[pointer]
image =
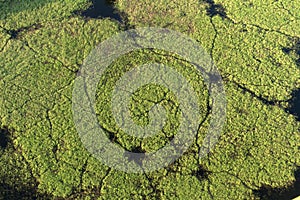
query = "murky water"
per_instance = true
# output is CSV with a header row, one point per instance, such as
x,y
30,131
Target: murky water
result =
x,y
102,9
215,9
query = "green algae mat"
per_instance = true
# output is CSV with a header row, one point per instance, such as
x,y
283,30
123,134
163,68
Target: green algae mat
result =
x,y
255,46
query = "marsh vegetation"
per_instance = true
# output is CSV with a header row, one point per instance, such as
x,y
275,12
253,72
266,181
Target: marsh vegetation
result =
x,y
255,46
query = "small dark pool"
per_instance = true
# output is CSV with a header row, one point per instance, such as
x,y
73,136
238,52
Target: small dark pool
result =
x,y
102,9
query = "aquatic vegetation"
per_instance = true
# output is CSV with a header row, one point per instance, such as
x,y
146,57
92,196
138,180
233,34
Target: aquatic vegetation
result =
x,y
253,44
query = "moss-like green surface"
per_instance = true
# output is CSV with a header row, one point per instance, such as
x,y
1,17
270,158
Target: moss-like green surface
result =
x,y
253,44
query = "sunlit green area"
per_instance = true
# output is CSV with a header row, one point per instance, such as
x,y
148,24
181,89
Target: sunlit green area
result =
x,y
256,48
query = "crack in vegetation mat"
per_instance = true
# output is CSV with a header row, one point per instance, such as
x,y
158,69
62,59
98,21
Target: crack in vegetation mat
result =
x,y
255,46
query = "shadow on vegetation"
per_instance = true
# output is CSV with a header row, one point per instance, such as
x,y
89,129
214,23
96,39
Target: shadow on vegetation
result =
x,y
10,7
14,33
295,48
12,185
99,9
294,103
286,193
253,94
201,173
215,9
20,191
136,155
4,137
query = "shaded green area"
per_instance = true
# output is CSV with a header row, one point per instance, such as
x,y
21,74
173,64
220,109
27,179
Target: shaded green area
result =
x,y
294,50
290,192
16,180
255,46
4,137
294,103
